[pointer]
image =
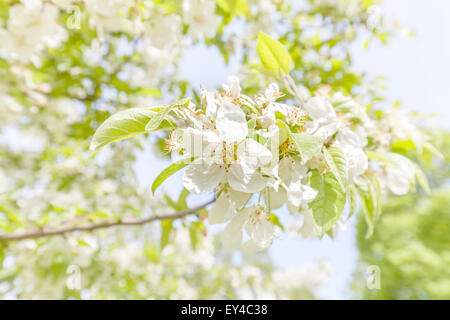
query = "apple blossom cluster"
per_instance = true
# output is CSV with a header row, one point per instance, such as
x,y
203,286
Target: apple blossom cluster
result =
x,y
258,154
67,64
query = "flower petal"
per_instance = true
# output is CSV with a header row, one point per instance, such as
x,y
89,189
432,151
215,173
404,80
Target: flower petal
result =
x,y
231,123
295,193
291,170
244,179
260,230
276,198
231,236
199,143
253,154
400,173
238,198
212,105
308,228
232,88
318,107
397,181
357,162
202,176
347,137
251,247
231,239
221,211
308,193
322,128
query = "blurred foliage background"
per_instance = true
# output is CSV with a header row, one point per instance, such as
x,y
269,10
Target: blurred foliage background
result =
x,y
411,245
59,82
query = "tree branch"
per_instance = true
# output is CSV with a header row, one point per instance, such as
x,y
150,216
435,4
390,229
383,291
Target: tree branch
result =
x,y
93,226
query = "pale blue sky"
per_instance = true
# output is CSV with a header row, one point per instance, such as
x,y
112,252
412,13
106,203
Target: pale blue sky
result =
x,y
418,68
417,71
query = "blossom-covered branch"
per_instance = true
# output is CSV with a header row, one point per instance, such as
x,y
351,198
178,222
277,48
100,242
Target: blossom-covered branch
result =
x,y
260,154
93,226
314,157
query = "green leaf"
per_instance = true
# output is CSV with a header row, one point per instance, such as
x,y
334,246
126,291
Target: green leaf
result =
x,y
83,243
422,179
353,199
274,219
337,163
170,202
392,158
433,150
284,133
307,145
166,227
329,203
234,7
403,146
170,170
247,102
156,121
376,156
196,229
181,202
122,125
371,203
274,56
2,253
251,124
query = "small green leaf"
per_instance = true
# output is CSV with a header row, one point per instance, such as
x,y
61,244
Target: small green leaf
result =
x,y
366,44
337,163
274,219
251,124
376,156
371,203
403,146
166,227
122,125
247,102
353,199
181,202
2,253
274,56
392,158
284,133
170,170
329,203
307,145
83,243
422,179
433,150
196,229
170,202
156,121
233,7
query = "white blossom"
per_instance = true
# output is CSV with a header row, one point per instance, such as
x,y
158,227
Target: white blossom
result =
x,y
293,175
30,28
352,146
200,16
399,174
324,122
256,222
217,158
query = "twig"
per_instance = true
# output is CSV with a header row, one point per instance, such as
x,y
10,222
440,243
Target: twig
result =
x,y
93,226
